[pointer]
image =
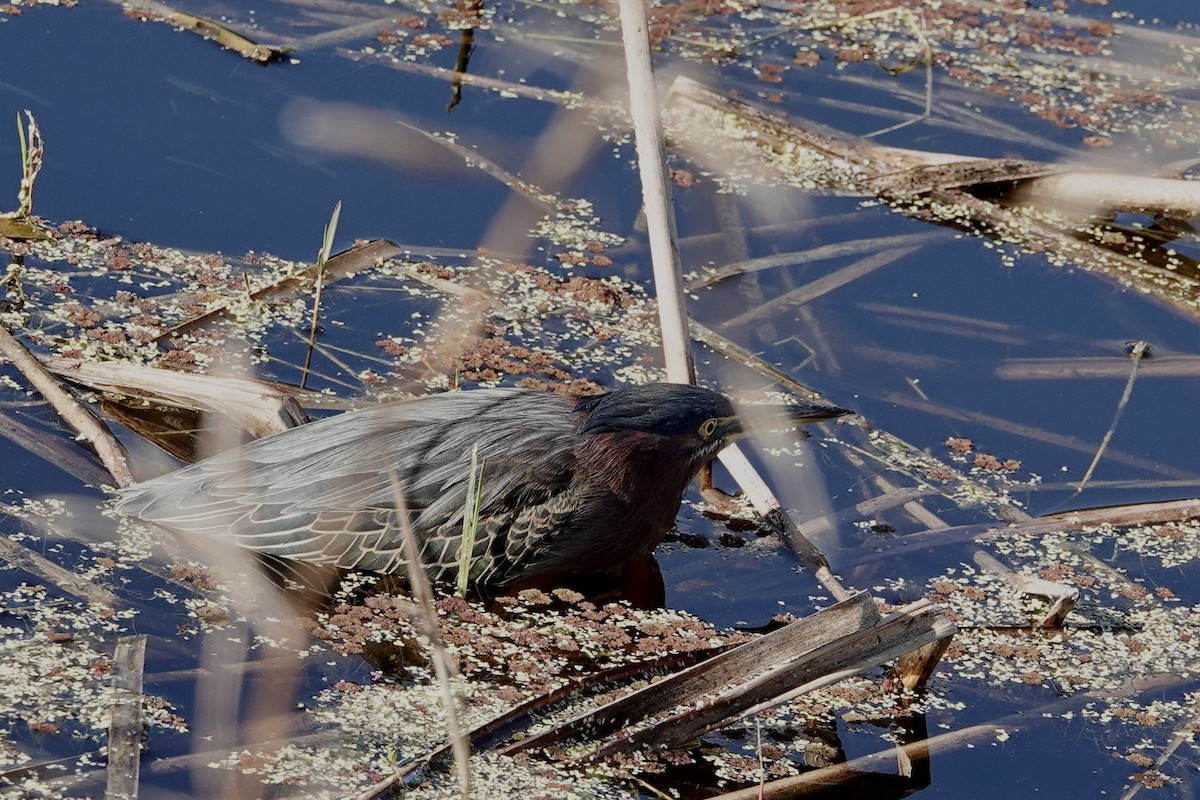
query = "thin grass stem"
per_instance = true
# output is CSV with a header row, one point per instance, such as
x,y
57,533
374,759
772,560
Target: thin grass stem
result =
x,y
322,259
422,594
1138,350
470,523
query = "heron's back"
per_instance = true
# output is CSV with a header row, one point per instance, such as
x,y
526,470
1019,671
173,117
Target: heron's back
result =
x,y
326,492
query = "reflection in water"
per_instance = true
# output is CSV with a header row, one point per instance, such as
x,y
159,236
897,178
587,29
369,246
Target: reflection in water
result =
x,y
826,770
175,430
466,46
1151,244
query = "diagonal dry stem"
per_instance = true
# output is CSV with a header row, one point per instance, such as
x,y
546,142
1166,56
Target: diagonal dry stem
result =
x,y
422,593
74,413
1138,350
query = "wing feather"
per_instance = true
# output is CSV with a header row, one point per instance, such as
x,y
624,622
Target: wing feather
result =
x,y
322,492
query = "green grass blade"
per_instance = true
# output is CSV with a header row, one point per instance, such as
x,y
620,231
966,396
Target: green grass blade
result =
x,y
470,524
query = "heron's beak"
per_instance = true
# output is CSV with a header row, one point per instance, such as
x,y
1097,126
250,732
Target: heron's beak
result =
x,y
766,418
813,412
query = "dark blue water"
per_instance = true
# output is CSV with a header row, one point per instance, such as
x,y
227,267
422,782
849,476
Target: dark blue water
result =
x,y
155,135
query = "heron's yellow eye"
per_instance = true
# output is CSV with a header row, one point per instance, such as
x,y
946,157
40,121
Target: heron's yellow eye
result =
x,y
708,428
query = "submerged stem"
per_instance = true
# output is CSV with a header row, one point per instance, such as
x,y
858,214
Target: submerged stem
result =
x,y
1138,351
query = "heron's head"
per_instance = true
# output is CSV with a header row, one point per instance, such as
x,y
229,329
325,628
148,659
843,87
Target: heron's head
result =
x,y
698,422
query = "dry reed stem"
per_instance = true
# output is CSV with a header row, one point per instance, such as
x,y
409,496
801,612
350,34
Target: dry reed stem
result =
x,y
258,407
339,266
427,620
1120,516
1048,184
772,512
125,728
852,652
208,29
812,255
568,100
113,455
1057,369
1137,351
33,150
735,352
723,672
819,782
56,450
943,411
1061,596
35,563
1184,734
912,507
347,33
821,286
656,194
668,282
492,734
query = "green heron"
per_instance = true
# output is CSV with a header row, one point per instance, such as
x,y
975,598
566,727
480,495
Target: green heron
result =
x,y
566,485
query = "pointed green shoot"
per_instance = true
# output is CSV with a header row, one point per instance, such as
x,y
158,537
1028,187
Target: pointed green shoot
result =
x,y
470,524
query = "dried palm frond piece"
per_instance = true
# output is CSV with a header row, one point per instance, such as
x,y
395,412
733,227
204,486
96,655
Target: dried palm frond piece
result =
x,y
803,656
750,144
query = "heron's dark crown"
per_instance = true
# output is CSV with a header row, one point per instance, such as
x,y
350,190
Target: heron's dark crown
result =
x,y
669,409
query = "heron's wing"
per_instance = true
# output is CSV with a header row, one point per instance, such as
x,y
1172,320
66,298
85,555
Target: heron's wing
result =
x,y
528,542
323,492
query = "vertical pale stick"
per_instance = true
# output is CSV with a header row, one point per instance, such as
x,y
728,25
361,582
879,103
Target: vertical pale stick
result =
x,y
668,283
427,621
125,728
656,194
